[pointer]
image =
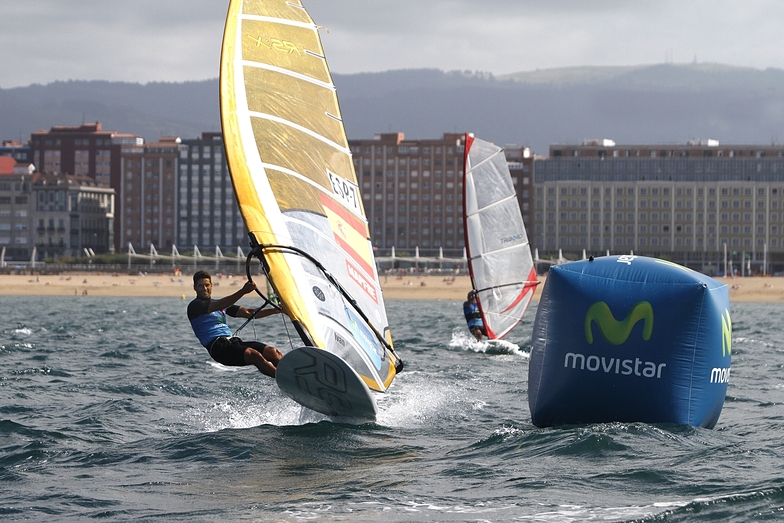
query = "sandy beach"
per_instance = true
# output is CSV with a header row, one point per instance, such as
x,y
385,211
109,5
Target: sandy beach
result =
x,y
166,285
409,287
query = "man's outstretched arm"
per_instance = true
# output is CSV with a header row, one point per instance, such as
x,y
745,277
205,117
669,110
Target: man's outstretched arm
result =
x,y
231,299
245,312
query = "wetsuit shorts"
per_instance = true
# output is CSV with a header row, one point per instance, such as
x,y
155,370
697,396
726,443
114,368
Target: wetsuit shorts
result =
x,y
473,329
231,351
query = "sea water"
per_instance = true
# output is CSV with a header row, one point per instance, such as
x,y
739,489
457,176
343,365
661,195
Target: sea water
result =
x,y
110,410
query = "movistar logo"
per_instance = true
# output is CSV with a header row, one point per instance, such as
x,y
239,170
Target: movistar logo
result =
x,y
614,331
726,334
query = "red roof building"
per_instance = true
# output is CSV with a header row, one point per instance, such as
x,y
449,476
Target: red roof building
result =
x,y
7,165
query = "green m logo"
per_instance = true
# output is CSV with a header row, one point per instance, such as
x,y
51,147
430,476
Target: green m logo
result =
x,y
614,331
726,334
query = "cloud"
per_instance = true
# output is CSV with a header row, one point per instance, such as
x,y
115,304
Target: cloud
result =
x,y
518,35
144,40
178,40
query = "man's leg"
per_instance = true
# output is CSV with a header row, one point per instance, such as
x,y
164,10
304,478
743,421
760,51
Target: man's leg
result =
x,y
264,357
254,357
272,354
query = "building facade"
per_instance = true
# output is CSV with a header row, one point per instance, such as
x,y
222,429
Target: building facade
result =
x,y
412,190
16,150
168,192
85,150
148,193
207,211
521,167
689,203
16,225
71,213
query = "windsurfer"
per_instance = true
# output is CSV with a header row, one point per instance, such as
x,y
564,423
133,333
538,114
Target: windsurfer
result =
x,y
473,316
208,319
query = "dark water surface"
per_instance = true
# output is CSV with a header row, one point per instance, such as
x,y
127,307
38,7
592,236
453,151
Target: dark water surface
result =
x,y
110,410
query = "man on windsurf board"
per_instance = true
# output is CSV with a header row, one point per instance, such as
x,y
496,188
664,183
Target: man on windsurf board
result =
x,y
208,320
473,317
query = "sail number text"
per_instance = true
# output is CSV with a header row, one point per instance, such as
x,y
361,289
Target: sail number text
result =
x,y
276,44
346,192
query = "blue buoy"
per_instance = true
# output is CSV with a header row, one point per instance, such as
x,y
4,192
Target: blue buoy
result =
x,y
629,339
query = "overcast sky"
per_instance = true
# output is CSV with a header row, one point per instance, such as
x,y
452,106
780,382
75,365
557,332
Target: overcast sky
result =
x,y
176,40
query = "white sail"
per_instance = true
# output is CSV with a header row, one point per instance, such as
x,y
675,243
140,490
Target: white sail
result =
x,y
499,256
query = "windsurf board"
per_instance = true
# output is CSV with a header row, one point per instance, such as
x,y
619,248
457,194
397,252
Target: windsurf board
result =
x,y
322,381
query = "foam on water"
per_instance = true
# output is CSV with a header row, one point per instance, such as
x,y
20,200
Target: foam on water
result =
x,y
415,400
223,368
466,341
412,402
241,412
578,513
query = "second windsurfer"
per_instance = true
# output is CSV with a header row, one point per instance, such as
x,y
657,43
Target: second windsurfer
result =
x,y
473,316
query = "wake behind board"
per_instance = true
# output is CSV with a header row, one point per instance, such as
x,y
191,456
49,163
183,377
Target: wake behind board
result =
x,y
322,381
501,347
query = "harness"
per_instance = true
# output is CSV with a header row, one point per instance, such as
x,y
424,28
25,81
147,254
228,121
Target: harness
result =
x,y
473,316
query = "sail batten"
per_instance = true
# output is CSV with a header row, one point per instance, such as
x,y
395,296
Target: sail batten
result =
x,y
486,160
296,187
304,179
317,136
289,72
315,54
499,202
497,248
281,21
498,251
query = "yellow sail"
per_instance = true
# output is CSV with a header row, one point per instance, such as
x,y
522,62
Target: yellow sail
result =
x,y
294,178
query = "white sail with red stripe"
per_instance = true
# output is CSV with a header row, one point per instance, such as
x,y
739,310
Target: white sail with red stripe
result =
x,y
499,256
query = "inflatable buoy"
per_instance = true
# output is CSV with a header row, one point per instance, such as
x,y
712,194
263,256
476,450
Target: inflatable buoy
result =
x,y
629,338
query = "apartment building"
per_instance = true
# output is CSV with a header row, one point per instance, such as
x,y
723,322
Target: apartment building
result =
x,y
85,150
16,150
15,216
71,213
686,202
689,203
148,193
207,211
521,167
412,190
169,192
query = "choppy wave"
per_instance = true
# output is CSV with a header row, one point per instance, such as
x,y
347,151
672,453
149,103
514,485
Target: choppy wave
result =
x,y
110,410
